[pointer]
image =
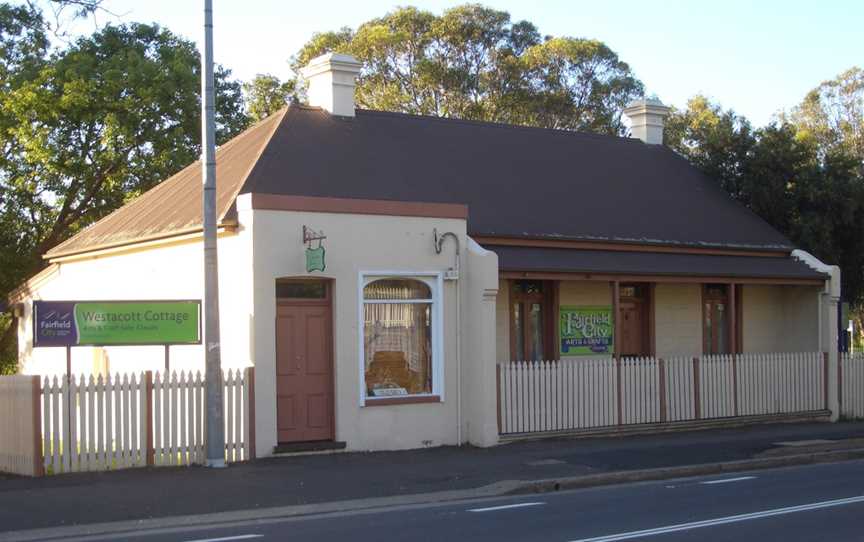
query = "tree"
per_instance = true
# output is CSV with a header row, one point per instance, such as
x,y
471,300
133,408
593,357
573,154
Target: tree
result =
x,y
832,115
812,194
473,62
85,129
265,94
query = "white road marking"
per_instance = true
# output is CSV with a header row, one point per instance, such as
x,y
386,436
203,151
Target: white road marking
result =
x,y
723,520
227,538
506,507
728,480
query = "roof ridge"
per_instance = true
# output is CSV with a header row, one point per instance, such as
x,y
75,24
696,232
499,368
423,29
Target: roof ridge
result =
x,y
501,125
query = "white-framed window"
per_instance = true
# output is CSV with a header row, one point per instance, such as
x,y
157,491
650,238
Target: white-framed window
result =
x,y
400,336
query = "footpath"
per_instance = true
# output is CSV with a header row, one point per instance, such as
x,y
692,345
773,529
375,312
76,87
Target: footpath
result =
x,y
321,482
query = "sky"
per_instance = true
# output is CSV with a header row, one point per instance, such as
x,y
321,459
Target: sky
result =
x,y
757,57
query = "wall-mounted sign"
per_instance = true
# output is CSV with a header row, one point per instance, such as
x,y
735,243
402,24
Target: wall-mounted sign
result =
x,y
586,330
314,256
105,323
315,259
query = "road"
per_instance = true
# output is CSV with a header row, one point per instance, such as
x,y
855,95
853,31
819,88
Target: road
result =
x,y
815,502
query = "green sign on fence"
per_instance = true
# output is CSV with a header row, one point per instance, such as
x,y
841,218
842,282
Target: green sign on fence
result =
x,y
105,323
586,330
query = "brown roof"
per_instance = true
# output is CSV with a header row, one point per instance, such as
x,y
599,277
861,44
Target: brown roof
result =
x,y
516,181
174,206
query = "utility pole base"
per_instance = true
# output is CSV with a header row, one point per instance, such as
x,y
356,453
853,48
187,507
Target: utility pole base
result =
x,y
215,464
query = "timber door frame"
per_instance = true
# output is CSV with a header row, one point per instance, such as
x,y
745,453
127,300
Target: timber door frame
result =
x,y
326,301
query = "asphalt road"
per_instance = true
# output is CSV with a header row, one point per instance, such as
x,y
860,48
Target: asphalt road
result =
x,y
815,502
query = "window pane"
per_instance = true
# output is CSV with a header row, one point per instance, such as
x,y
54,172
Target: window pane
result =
x,y
536,332
518,332
396,289
398,348
528,286
301,290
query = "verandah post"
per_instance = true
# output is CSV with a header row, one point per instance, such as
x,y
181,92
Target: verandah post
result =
x,y
616,341
733,335
696,395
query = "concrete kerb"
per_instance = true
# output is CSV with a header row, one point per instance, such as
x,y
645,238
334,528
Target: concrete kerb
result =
x,y
498,489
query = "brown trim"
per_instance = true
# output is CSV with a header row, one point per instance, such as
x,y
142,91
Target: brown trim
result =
x,y
250,382
624,246
739,318
408,400
279,202
36,397
608,277
661,370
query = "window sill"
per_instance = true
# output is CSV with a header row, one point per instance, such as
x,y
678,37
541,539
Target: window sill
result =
x,y
408,400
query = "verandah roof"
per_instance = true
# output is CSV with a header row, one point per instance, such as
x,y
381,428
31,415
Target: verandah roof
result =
x,y
563,260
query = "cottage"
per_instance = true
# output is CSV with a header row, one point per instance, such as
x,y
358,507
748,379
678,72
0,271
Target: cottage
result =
x,y
376,267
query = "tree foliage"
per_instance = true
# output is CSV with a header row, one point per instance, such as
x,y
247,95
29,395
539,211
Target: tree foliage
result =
x,y
808,187
473,62
265,94
86,128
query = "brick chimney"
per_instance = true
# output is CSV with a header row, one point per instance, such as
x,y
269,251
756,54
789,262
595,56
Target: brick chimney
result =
x,y
331,82
647,119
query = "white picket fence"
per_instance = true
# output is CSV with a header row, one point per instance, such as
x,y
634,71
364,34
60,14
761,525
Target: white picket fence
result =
x,y
578,394
136,420
851,380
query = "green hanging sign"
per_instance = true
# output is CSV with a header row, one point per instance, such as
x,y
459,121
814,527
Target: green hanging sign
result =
x,y
315,259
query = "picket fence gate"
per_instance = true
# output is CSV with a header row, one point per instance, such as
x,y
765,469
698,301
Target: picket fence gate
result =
x,y
143,419
582,394
851,384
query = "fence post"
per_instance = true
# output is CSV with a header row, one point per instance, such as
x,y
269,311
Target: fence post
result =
x,y
250,384
825,379
618,389
661,368
735,382
498,393
148,409
696,394
38,454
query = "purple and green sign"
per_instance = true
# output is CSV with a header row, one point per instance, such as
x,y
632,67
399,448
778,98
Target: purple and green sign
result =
x,y
586,331
105,323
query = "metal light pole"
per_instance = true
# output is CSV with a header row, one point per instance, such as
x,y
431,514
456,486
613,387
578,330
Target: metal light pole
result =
x,y
215,426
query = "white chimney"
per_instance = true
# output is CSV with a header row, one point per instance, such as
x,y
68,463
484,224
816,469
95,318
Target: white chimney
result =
x,y
647,119
331,82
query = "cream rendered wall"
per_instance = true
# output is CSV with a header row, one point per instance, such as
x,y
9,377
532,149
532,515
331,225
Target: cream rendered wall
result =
x,y
583,293
801,306
168,272
780,318
762,314
678,319
356,243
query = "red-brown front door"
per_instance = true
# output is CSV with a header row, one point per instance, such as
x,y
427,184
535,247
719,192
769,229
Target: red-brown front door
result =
x,y
304,372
